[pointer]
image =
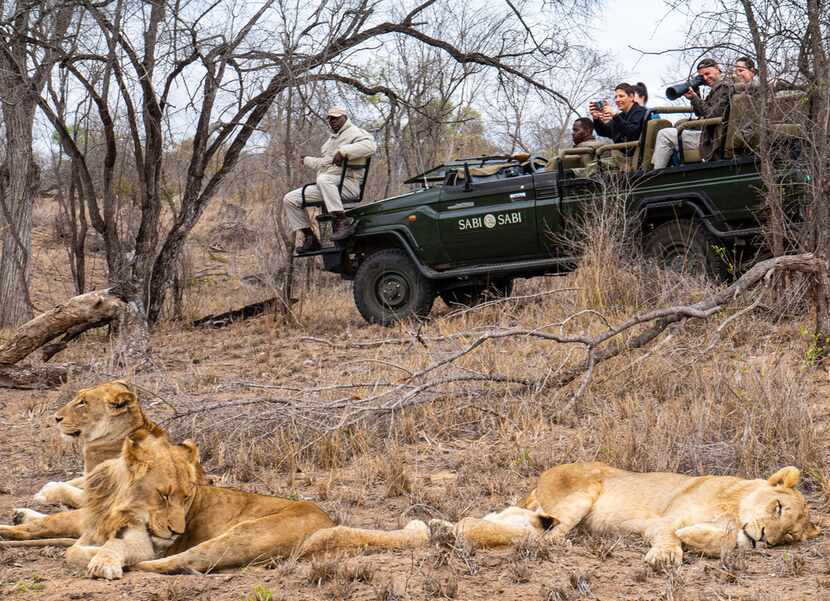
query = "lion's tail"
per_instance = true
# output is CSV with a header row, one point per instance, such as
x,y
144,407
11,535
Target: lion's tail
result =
x,y
414,535
40,542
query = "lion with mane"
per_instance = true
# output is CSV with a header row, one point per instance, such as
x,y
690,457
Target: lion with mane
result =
x,y
150,508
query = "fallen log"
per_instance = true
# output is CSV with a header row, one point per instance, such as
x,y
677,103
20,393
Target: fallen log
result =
x,y
32,378
100,306
221,320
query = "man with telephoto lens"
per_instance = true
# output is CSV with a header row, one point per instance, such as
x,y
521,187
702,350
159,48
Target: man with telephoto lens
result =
x,y
714,105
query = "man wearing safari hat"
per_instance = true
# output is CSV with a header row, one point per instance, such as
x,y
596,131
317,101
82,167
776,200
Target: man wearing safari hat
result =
x,y
348,143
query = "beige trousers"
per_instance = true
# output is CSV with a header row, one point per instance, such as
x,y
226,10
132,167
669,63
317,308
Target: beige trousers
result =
x,y
325,189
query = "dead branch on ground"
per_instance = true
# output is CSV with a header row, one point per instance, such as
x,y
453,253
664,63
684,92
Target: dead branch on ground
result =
x,y
325,416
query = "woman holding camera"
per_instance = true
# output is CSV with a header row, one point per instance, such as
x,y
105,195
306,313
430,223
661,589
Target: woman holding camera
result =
x,y
624,126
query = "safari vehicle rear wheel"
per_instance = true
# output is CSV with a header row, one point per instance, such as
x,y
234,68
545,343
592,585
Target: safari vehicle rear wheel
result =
x,y
686,247
388,287
470,296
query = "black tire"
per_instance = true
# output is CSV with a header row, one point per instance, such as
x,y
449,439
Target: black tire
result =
x,y
388,288
470,296
686,247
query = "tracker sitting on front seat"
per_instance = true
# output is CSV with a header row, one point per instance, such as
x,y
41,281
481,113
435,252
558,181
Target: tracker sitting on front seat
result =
x,y
346,143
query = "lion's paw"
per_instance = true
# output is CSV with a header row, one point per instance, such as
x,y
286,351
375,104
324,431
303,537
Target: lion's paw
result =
x,y
49,493
667,556
22,515
105,565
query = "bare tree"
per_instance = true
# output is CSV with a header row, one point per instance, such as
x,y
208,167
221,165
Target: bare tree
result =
x,y
23,73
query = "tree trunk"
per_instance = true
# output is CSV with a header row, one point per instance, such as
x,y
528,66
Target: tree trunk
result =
x,y
21,178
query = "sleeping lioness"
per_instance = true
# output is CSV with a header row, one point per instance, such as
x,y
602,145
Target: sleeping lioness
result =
x,y
707,513
151,502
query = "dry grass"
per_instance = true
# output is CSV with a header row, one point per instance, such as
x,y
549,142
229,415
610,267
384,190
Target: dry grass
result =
x,y
739,401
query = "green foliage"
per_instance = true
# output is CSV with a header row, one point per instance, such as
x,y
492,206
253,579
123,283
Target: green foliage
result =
x,y
260,593
815,350
723,255
27,585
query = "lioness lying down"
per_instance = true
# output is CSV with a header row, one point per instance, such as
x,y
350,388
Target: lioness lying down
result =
x,y
100,418
706,514
151,502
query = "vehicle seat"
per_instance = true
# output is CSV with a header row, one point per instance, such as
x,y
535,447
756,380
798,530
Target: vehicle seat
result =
x,y
653,127
739,126
361,165
742,135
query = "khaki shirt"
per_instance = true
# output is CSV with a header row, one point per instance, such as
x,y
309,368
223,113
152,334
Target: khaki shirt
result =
x,y
352,142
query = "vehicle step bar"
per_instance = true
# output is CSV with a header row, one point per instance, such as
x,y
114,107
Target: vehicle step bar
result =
x,y
326,250
497,268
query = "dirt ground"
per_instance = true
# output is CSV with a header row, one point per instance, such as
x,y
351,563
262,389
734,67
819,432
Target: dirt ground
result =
x,y
469,451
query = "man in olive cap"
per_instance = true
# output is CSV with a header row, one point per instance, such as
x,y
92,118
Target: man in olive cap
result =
x,y
347,143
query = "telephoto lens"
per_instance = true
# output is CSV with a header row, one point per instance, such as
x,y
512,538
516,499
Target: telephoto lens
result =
x,y
677,90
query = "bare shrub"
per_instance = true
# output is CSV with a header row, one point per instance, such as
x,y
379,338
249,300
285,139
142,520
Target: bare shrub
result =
x,y
436,585
535,548
520,571
356,572
722,421
793,564
321,571
553,592
601,547
395,479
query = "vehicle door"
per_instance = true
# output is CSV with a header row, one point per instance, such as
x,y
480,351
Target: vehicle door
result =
x,y
560,209
492,221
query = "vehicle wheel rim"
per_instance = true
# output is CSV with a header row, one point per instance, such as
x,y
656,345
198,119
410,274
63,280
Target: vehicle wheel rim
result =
x,y
393,291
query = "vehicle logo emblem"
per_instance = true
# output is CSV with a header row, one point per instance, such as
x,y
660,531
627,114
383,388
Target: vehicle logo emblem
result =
x,y
490,221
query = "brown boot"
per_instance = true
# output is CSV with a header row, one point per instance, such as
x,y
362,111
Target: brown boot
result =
x,y
342,227
310,242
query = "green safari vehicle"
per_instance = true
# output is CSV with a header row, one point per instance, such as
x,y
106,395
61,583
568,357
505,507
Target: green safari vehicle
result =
x,y
478,223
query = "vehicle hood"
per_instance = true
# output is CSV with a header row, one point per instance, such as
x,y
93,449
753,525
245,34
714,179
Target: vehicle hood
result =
x,y
397,203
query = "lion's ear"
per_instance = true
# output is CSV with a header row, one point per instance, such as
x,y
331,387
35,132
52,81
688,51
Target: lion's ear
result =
x,y
786,477
119,403
707,538
132,449
193,450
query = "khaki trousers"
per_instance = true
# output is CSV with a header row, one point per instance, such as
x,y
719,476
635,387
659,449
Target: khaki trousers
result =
x,y
326,189
667,143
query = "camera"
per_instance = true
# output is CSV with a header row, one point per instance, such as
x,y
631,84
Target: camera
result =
x,y
599,104
677,90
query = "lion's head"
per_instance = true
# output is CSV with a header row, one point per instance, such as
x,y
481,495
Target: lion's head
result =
x,y
152,484
775,513
768,513
107,410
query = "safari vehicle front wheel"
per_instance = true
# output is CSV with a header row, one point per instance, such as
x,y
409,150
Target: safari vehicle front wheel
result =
x,y
388,287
